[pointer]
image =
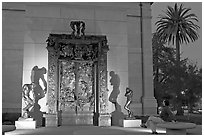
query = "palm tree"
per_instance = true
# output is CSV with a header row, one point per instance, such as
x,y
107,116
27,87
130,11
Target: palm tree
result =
x,y
177,27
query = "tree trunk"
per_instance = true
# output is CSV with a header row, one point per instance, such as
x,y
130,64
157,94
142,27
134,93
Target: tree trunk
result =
x,y
179,108
177,51
190,107
178,88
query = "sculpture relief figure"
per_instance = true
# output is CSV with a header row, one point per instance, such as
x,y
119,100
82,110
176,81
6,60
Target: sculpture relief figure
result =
x,y
28,100
82,28
72,25
128,94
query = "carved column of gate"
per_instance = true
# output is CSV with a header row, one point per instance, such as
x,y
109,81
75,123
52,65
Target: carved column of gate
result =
x,y
52,99
104,117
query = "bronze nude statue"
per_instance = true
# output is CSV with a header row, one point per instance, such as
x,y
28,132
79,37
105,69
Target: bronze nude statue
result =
x,y
28,100
128,94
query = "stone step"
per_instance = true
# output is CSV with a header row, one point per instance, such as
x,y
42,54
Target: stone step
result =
x,y
130,122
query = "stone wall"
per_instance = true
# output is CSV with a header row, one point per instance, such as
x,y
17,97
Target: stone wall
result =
x,y
120,22
13,30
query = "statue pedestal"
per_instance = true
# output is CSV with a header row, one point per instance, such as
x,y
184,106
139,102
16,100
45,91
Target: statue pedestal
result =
x,y
27,123
52,120
130,122
104,120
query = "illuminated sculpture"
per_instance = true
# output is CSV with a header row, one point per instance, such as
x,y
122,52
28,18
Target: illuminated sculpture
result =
x,y
28,100
128,94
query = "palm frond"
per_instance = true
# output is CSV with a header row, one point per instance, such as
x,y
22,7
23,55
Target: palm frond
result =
x,y
185,12
177,21
191,16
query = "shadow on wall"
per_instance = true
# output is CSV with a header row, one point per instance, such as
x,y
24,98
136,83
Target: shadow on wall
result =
x,y
117,114
37,74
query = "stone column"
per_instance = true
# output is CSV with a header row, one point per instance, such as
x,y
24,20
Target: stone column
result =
x,y
140,67
149,103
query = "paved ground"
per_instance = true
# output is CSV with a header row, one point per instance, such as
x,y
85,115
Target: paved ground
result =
x,y
92,130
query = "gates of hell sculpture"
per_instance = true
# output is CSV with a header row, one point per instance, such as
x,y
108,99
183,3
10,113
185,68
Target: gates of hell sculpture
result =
x,y
77,78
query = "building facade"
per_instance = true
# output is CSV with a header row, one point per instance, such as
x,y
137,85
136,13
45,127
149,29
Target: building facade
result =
x,y
125,29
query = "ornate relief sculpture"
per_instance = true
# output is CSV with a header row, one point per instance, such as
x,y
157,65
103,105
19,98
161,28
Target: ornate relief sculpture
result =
x,y
79,51
67,50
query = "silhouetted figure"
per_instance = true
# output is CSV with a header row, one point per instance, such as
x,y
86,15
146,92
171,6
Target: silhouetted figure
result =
x,y
37,114
28,100
115,82
37,74
117,115
128,94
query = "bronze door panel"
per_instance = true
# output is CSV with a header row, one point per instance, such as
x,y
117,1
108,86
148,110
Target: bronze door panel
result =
x,y
76,95
67,87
